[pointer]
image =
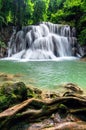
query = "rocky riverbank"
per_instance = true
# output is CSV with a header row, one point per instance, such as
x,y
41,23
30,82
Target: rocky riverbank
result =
x,y
83,58
29,108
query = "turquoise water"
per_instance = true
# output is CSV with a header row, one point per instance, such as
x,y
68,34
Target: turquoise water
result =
x,y
47,74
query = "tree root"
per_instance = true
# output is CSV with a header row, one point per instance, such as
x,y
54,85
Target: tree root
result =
x,y
68,126
35,109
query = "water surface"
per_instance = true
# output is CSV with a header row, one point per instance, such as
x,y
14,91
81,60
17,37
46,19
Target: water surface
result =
x,y
47,74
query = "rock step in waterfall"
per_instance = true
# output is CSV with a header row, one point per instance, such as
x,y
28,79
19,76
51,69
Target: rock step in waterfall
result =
x,y
43,41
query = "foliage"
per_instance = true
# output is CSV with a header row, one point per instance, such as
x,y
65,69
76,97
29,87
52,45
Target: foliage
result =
x,y
82,37
54,6
28,12
73,13
40,10
2,44
24,12
57,17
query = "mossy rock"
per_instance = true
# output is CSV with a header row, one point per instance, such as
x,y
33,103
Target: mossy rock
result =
x,y
4,102
34,92
12,93
18,89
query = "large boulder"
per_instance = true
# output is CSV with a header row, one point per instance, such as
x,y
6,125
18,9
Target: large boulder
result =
x,y
12,93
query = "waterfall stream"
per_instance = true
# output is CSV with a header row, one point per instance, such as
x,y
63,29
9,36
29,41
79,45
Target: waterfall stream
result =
x,y
43,41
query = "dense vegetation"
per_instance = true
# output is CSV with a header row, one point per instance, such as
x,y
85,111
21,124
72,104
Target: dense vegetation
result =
x,y
25,12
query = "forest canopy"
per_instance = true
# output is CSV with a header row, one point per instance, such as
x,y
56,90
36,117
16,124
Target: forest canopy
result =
x,y
25,12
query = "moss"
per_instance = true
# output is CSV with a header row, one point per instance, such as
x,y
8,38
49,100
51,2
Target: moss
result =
x,y
34,92
14,93
63,110
2,44
4,102
11,94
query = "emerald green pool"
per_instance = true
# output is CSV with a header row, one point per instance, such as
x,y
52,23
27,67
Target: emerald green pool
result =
x,y
47,74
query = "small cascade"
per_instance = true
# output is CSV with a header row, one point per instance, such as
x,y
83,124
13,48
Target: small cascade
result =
x,y
11,43
43,41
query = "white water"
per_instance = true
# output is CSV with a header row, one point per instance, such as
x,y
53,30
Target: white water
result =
x,y
44,41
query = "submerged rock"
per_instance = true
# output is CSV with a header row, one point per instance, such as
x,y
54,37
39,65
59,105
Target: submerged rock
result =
x,y
4,77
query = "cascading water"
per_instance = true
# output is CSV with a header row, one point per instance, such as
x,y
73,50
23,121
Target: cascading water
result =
x,y
43,41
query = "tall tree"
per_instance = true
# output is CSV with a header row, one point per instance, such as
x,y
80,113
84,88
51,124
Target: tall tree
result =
x,y
40,10
54,6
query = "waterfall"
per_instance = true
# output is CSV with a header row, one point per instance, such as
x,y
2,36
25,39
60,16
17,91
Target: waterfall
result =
x,y
43,41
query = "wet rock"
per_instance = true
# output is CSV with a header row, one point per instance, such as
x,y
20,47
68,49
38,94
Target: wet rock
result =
x,y
73,88
83,58
50,95
3,52
37,91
